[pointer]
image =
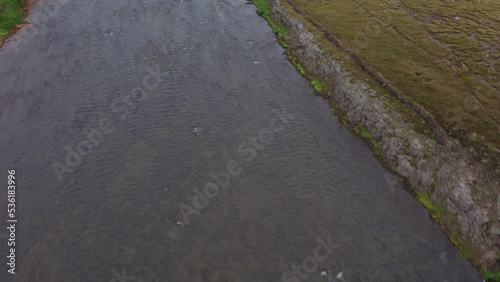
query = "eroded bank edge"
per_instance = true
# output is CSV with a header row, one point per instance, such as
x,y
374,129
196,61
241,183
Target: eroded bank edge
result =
x,y
458,192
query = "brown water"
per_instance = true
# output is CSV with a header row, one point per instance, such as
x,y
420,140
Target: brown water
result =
x,y
116,216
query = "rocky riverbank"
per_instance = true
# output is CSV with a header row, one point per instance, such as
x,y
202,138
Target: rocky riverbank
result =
x,y
460,192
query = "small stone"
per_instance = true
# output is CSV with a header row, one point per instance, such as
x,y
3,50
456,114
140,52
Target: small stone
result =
x,y
489,258
425,179
498,207
461,198
404,167
495,231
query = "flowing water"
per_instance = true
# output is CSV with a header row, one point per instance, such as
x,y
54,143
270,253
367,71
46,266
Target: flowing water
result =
x,y
117,115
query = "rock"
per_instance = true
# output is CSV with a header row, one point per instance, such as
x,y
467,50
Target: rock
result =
x,y
404,167
416,148
439,194
495,230
425,180
498,207
393,147
472,223
461,198
414,179
489,258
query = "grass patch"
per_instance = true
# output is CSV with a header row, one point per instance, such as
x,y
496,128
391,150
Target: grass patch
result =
x,y
11,15
443,55
425,200
281,31
264,10
318,85
361,131
358,74
491,276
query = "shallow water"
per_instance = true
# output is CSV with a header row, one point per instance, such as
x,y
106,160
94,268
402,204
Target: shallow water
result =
x,y
208,78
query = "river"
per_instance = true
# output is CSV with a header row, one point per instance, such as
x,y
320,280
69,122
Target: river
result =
x,y
173,141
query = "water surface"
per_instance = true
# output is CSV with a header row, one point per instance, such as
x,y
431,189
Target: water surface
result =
x,y
116,216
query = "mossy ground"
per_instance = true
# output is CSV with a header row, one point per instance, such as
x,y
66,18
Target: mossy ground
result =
x,y
444,55
491,276
11,15
435,71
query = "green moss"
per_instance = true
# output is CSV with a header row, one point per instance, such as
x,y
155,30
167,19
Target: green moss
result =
x,y
491,276
318,85
298,65
264,10
11,15
436,210
393,167
464,254
361,131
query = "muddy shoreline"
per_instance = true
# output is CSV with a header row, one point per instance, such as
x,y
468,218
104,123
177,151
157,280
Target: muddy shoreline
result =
x,y
443,175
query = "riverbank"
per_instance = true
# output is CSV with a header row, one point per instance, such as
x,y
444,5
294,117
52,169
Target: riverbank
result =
x,y
12,14
447,156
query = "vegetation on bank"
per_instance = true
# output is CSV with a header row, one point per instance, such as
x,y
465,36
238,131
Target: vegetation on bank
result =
x,y
444,55
11,14
459,92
